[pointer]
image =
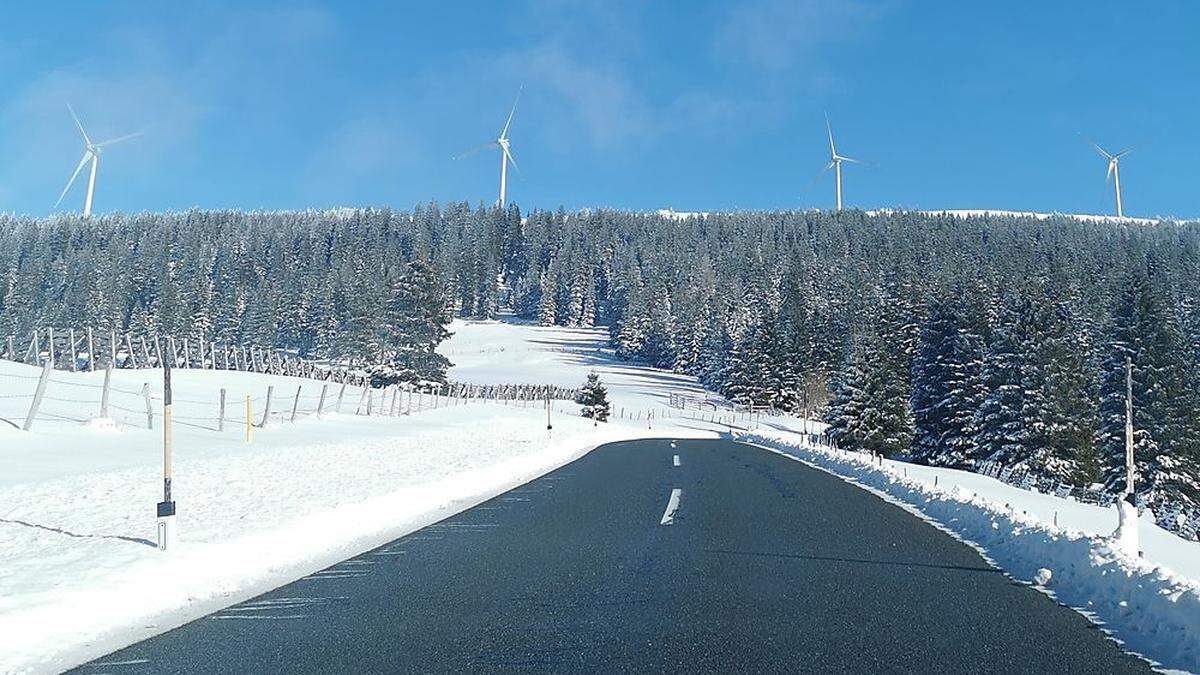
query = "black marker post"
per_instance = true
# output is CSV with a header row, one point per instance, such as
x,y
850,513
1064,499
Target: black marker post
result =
x,y
166,508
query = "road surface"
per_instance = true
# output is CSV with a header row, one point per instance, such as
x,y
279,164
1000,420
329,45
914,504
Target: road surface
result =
x,y
651,556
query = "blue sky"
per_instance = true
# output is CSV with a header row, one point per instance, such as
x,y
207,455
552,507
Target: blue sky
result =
x,y
695,106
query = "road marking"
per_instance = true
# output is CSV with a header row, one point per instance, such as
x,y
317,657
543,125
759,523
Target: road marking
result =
x,y
672,506
676,461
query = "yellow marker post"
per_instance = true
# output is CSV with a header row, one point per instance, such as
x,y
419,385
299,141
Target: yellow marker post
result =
x,y
249,420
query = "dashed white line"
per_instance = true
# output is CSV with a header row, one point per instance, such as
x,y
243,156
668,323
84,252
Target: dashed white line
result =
x,y
676,460
672,506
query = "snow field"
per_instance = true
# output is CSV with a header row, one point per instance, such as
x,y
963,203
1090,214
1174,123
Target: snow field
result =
x,y
1152,610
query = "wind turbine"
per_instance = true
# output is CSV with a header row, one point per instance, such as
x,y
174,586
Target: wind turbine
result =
x,y
1114,172
835,162
506,155
91,151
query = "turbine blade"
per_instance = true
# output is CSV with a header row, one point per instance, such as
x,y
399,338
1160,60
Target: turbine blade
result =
x,y
86,156
1102,151
851,160
812,181
118,139
1122,153
1109,173
504,131
472,151
829,129
79,125
513,160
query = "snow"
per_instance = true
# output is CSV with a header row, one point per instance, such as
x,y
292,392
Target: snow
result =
x,y
1152,610
79,573
80,576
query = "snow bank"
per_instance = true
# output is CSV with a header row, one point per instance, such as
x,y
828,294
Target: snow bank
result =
x,y
1151,610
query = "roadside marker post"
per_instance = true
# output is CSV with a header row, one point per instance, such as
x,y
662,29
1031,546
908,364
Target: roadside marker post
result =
x,y
549,426
166,508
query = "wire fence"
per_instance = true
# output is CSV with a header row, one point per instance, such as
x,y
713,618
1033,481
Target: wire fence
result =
x,y
55,396
87,349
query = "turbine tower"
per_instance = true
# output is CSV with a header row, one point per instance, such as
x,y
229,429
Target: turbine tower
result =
x,y
506,155
1114,172
91,151
835,163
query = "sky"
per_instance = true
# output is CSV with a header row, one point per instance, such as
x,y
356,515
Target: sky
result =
x,y
696,106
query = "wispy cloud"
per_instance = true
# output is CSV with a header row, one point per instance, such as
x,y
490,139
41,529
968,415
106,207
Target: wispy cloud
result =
x,y
780,36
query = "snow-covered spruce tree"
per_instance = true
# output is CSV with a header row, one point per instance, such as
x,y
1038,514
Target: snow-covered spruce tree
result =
x,y
1059,384
870,406
945,384
594,399
844,413
547,305
1000,429
414,324
1164,449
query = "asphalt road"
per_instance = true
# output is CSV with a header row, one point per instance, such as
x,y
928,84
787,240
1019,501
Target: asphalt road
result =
x,y
768,566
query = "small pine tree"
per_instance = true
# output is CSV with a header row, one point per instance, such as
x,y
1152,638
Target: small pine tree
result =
x,y
594,399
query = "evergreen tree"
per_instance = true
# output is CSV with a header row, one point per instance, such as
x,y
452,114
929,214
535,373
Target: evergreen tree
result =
x,y
594,399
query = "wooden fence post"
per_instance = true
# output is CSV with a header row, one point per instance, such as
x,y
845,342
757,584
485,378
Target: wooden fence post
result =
x,y
50,344
362,401
267,407
91,350
249,419
341,394
321,402
296,405
221,414
71,339
130,359
37,395
149,406
105,390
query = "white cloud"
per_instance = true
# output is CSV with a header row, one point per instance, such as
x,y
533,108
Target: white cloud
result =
x,y
782,35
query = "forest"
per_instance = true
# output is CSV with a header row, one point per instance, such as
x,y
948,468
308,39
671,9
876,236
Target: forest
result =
x,y
944,339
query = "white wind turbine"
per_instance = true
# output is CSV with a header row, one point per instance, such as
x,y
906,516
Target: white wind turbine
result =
x,y
91,151
506,155
835,162
1114,172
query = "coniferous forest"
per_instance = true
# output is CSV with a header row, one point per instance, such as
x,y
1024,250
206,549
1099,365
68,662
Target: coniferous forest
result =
x,y
946,339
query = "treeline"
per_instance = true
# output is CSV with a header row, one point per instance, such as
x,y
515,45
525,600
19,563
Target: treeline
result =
x,y
948,339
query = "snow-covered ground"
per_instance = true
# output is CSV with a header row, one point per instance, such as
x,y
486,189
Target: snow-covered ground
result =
x,y
79,573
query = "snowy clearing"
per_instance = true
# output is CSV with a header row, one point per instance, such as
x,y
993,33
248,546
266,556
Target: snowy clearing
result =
x,y
1152,610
